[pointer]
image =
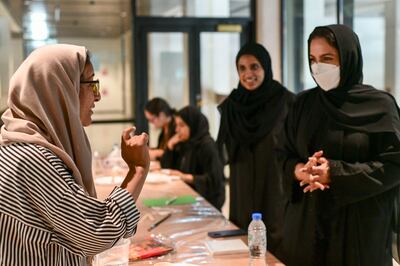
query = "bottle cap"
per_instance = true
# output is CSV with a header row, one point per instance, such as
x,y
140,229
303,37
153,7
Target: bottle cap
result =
x,y
256,216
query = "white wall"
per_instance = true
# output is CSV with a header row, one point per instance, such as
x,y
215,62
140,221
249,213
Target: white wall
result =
x,y
11,56
10,51
5,45
392,54
16,55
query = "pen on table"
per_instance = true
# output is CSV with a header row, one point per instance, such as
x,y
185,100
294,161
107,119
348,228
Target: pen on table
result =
x,y
154,225
170,201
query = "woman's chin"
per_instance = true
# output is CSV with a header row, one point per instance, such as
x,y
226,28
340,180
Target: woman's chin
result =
x,y
86,122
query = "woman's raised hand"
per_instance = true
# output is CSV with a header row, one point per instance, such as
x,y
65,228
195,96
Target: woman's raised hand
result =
x,y
173,141
134,148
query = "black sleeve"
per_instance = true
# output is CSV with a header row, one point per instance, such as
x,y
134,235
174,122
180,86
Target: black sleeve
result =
x,y
209,168
352,182
288,158
170,158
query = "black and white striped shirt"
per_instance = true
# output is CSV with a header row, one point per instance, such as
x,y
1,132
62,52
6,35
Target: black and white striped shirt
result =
x,y
47,219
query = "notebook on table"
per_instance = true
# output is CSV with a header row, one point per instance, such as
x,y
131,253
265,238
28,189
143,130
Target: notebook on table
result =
x,y
226,247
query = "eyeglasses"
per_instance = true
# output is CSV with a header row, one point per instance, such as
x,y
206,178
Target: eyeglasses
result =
x,y
95,84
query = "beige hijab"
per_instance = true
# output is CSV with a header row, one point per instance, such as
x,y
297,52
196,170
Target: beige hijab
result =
x,y
43,108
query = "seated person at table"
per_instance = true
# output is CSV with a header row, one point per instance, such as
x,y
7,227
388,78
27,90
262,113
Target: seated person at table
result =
x,y
160,115
194,155
49,214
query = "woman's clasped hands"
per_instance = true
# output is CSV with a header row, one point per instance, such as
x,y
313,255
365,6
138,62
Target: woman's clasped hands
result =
x,y
314,174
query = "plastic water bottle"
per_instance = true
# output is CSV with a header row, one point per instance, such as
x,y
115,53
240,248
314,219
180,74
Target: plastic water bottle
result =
x,y
97,165
257,236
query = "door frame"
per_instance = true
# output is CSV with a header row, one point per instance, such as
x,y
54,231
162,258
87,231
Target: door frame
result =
x,y
193,27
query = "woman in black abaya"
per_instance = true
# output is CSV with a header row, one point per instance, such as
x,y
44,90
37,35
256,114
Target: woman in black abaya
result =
x,y
251,120
193,155
341,160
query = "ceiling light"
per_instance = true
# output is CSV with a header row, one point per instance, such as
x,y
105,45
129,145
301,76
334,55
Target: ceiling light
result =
x,y
38,26
38,16
39,30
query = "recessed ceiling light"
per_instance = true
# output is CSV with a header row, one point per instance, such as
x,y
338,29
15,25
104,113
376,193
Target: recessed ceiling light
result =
x,y
38,26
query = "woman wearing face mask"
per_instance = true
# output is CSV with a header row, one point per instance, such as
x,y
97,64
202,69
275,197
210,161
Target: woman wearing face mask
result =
x,y
251,120
160,115
194,156
341,160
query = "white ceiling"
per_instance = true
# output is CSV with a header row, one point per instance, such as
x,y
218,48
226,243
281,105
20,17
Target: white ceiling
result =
x,y
71,18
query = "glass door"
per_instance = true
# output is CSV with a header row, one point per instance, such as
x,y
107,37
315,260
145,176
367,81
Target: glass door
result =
x,y
168,67
167,71
186,61
218,74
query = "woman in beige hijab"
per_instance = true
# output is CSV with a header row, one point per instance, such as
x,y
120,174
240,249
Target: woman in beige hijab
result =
x,y
49,214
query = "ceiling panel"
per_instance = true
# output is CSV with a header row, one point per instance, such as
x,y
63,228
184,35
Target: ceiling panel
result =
x,y
72,18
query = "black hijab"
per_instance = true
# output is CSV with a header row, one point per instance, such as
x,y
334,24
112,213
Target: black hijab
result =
x,y
197,122
248,116
353,105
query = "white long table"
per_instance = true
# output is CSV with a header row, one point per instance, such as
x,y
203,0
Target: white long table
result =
x,y
187,227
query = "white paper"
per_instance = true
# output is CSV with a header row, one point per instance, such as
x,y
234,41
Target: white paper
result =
x,y
228,246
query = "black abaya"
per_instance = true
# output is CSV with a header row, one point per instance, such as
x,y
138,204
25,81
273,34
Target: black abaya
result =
x,y
357,127
199,156
251,122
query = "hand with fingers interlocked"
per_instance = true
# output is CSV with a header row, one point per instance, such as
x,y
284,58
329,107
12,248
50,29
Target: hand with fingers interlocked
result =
x,y
314,174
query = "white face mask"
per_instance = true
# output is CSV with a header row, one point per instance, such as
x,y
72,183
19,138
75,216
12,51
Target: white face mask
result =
x,y
327,76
